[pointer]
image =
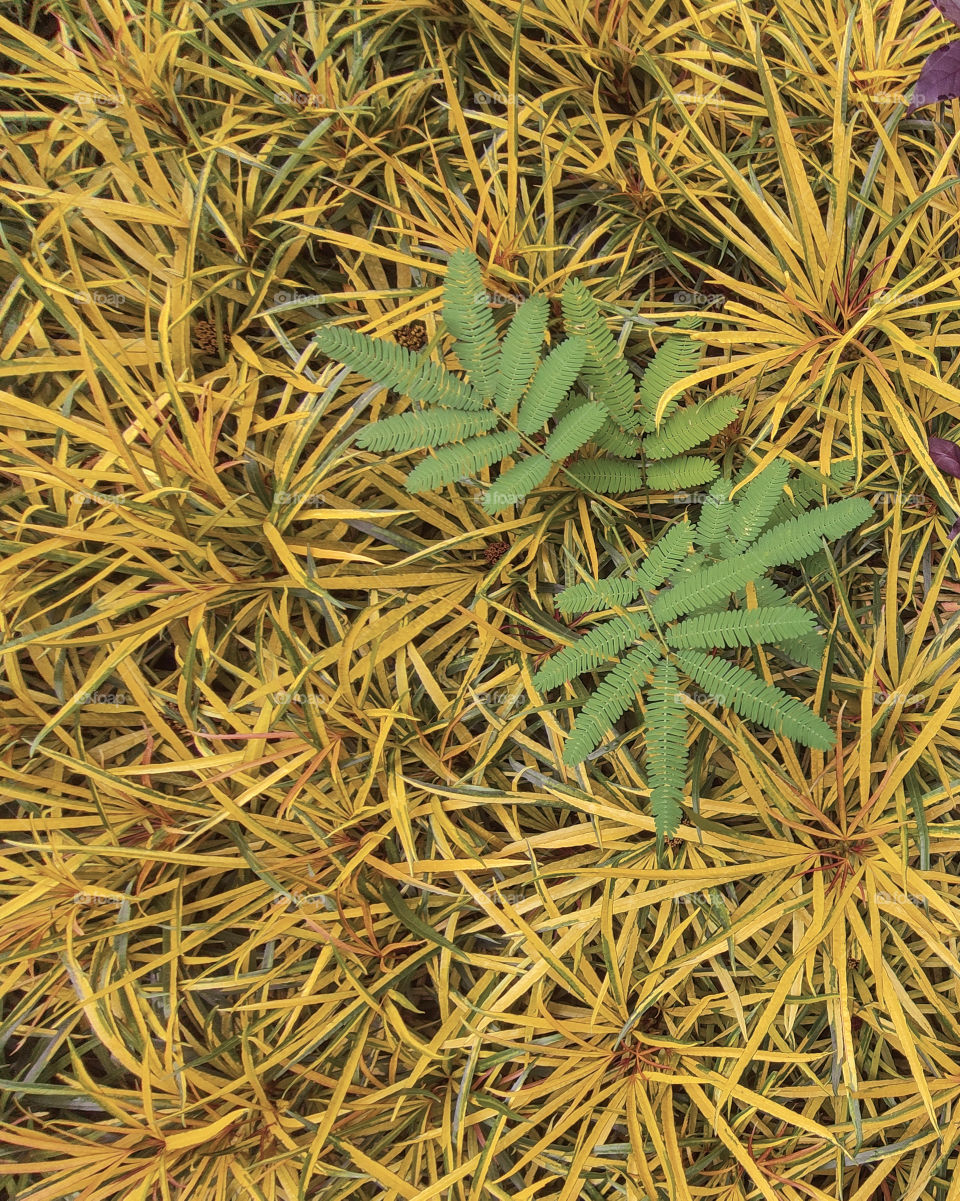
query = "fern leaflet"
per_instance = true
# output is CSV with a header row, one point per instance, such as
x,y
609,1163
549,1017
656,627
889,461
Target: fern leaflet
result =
x,y
610,701
607,476
395,367
715,513
808,648
665,557
603,642
573,431
665,739
691,426
431,427
708,586
517,482
741,627
467,315
450,463
755,700
520,351
674,360
553,380
592,595
807,489
801,536
611,438
604,369
683,471
755,504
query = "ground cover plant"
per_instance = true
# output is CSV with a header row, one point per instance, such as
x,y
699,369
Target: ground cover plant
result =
x,y
387,818
612,418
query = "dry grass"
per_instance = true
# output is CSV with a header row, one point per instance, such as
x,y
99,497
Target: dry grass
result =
x,y
299,901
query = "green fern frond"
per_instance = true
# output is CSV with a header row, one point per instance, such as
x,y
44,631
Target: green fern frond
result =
x,y
552,381
611,700
801,536
574,430
602,643
768,594
430,427
520,351
590,596
715,514
615,441
683,471
843,471
451,463
666,555
674,360
754,505
708,586
467,315
517,482
690,564
573,400
808,648
692,426
807,489
741,627
804,491
395,367
755,700
604,368
665,740
608,477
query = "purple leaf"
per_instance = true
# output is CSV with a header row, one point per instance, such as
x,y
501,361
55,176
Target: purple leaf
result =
x,y
949,8
954,530
946,455
939,75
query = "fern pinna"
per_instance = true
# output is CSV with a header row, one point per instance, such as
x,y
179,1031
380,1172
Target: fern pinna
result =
x,y
672,618
510,395
631,431
517,407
